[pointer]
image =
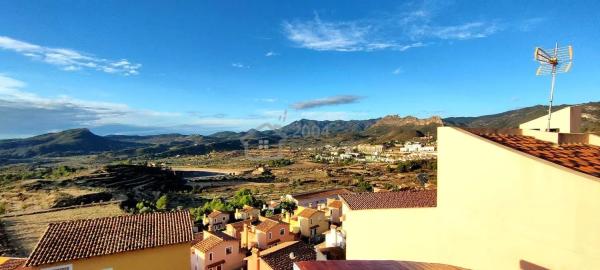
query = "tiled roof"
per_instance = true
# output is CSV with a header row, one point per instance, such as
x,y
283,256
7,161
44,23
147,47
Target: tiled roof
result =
x,y
215,213
584,158
321,193
394,199
280,256
373,265
14,264
212,240
103,236
248,209
239,225
197,238
307,212
335,204
208,243
266,224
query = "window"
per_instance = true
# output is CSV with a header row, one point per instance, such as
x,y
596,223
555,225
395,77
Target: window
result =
x,y
228,250
270,236
223,218
282,231
210,255
310,221
214,220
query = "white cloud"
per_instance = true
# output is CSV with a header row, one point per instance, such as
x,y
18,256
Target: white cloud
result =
x,y
397,71
239,65
271,53
399,31
25,113
67,59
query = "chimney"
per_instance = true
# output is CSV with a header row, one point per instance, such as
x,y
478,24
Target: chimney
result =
x,y
256,257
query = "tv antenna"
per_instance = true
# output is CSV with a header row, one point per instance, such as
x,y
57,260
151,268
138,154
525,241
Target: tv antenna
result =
x,y
559,60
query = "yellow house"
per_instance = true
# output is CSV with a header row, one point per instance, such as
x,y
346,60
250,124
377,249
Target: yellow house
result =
x,y
216,220
217,251
265,233
157,241
309,222
247,212
507,199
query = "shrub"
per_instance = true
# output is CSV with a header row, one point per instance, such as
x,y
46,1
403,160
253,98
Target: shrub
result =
x,y
162,202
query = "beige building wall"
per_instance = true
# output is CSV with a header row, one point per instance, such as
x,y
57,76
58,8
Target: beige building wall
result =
x,y
566,120
497,209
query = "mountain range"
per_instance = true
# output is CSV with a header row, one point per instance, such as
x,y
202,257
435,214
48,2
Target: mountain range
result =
x,y
301,132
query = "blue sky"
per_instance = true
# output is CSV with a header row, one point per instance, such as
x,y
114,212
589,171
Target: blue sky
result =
x,y
203,66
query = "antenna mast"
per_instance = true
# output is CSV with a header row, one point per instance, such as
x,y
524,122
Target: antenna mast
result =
x,y
559,61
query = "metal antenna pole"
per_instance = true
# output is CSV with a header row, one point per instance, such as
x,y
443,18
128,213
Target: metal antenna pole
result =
x,y
552,88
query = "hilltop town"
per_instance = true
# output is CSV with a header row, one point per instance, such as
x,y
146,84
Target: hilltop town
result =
x,y
482,193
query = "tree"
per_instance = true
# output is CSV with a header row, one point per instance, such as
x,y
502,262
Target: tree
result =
x,y
287,205
364,186
161,203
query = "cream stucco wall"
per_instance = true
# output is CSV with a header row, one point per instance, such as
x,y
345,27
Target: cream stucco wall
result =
x,y
497,209
567,120
174,257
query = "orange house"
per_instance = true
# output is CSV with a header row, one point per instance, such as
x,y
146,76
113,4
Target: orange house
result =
x,y
217,251
266,233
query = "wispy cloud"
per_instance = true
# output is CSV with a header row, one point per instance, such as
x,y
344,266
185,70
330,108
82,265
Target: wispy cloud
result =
x,y
267,100
271,53
68,59
26,113
239,65
340,36
320,102
400,31
397,71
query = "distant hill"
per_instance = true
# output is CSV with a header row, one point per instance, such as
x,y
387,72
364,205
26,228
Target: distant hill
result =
x,y
65,143
298,133
512,119
393,127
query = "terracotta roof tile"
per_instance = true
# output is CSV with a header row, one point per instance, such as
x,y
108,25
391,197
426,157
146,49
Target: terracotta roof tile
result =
x,y
14,264
373,265
392,199
266,224
103,236
321,193
214,214
584,158
335,204
307,212
212,240
278,257
208,243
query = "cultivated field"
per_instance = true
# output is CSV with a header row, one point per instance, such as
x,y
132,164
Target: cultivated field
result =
x,y
24,231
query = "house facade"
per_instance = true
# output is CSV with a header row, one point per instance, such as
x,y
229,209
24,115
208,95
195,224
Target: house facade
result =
x,y
247,212
216,220
308,222
217,251
506,199
145,241
266,233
